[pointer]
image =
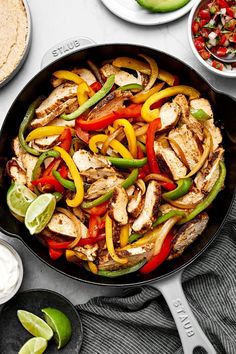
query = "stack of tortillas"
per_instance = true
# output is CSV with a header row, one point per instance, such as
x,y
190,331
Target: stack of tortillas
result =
x,y
14,26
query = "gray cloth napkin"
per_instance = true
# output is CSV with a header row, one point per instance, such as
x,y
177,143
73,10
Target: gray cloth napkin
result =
x,y
141,323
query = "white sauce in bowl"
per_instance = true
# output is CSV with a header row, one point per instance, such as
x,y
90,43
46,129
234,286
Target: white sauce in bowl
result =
x,y
9,272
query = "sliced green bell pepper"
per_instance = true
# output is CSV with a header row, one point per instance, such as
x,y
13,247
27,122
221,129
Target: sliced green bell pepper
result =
x,y
120,272
134,237
167,216
25,123
42,157
183,186
199,114
125,184
64,182
92,100
219,184
131,87
127,163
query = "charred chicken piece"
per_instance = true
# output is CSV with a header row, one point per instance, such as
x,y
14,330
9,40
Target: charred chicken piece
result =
x,y
150,208
188,233
85,160
122,77
117,206
168,162
169,114
62,225
102,186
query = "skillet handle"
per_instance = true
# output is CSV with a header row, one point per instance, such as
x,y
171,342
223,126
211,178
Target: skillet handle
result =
x,y
190,332
61,49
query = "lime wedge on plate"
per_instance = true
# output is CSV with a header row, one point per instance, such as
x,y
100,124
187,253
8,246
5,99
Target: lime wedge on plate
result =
x,y
19,198
34,324
34,346
40,212
60,325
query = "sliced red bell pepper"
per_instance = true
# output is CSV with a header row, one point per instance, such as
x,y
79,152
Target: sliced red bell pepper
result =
x,y
93,226
143,171
65,139
63,170
98,210
160,257
90,240
55,254
96,86
159,103
132,111
152,128
168,186
53,165
58,245
51,182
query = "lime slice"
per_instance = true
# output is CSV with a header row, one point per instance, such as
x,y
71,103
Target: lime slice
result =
x,y
34,346
19,198
34,324
60,325
40,212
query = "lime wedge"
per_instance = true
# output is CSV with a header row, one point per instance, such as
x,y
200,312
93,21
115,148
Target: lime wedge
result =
x,y
40,212
34,324
60,325
34,346
19,198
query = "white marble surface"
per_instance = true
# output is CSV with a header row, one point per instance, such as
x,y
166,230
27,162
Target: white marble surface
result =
x,y
54,21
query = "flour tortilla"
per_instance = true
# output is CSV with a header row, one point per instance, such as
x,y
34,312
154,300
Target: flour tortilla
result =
x,y
13,35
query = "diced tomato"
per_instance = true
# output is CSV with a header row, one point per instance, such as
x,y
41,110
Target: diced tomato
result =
x,y
96,86
205,14
199,43
230,12
204,54
233,38
217,65
223,39
221,51
205,32
195,27
202,23
222,3
230,25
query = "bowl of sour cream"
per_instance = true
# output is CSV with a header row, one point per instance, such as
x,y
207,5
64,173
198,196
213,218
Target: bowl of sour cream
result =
x,y
11,271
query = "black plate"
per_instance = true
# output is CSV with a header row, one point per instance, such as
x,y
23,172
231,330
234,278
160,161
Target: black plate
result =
x,y
12,333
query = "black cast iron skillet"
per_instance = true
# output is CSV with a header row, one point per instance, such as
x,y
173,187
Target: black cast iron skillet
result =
x,y
166,278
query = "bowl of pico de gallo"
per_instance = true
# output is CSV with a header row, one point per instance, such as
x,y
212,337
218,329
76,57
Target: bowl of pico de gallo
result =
x,y
212,31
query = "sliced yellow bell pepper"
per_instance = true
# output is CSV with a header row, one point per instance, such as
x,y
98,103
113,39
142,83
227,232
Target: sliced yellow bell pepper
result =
x,y
133,64
115,144
93,268
166,77
109,242
144,95
82,93
149,115
154,70
70,76
130,135
48,130
124,235
79,195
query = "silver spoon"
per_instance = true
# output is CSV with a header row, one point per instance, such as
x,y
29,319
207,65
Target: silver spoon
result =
x,y
228,59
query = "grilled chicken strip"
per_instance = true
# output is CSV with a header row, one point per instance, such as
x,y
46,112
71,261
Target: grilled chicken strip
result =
x,y
121,77
102,186
188,233
111,103
168,162
134,256
55,104
188,142
192,197
117,206
187,118
93,174
88,252
85,74
16,171
209,173
169,114
150,208
62,225
202,103
84,160
135,205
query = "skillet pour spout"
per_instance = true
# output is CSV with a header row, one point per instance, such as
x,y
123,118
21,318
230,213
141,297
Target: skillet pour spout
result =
x,y
224,111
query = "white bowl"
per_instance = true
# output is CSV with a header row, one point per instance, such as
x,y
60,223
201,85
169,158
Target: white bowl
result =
x,y
20,277
225,73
